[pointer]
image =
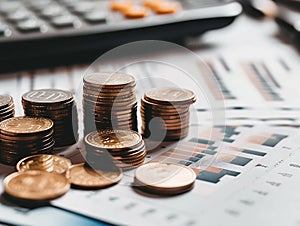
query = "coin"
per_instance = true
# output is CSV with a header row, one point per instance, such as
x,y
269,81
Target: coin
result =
x,y
167,95
25,125
107,96
58,164
104,79
113,139
82,176
164,178
165,112
126,147
5,101
7,108
36,185
47,96
57,105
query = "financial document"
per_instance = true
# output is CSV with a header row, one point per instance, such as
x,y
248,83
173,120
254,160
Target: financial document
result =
x,y
247,164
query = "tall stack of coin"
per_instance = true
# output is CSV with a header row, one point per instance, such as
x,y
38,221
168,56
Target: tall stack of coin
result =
x,y
165,113
57,105
24,136
7,108
124,148
109,101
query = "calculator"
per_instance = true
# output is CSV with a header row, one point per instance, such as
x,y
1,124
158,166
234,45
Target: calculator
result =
x,y
45,33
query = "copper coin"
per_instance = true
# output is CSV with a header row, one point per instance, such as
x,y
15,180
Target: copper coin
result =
x,y
109,79
5,101
59,164
82,176
113,139
25,125
36,185
169,177
167,95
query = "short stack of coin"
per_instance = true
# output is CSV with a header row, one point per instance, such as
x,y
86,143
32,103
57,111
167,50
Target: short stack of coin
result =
x,y
7,108
45,162
165,112
125,148
25,136
109,102
164,178
57,105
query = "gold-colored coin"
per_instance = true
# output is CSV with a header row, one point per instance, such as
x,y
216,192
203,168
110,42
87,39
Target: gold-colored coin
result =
x,y
167,95
165,178
36,185
114,79
50,163
82,176
113,139
25,125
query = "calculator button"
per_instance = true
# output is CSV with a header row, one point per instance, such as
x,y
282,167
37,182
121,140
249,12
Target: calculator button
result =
x,y
40,4
152,3
166,7
136,12
95,17
31,25
18,15
65,21
121,5
83,7
52,11
4,30
9,7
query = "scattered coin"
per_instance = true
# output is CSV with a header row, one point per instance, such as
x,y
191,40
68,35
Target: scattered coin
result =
x,y
59,106
49,163
83,176
36,185
164,178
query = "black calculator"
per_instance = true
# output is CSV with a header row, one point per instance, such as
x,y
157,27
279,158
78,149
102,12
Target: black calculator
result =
x,y
40,33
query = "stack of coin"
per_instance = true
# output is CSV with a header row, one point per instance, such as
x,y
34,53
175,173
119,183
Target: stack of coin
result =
x,y
109,101
123,148
165,113
7,108
164,178
57,105
45,162
25,136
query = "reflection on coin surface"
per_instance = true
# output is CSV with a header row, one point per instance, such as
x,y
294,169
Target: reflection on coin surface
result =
x,y
165,175
50,163
47,96
5,100
111,139
83,176
36,185
25,125
109,78
170,94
